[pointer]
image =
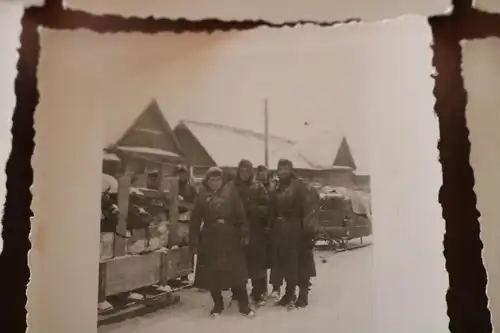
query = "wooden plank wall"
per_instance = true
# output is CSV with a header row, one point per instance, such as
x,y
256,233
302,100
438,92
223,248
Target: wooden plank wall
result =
x,y
130,273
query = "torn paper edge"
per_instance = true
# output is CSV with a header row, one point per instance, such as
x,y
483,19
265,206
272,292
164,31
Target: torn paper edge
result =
x,y
350,24
269,20
11,40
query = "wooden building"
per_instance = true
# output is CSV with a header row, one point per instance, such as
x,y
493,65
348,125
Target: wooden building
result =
x,y
148,143
207,145
362,182
334,163
344,157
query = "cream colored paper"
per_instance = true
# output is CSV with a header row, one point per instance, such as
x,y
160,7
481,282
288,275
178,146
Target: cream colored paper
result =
x,y
10,29
481,71
91,85
25,3
276,11
487,5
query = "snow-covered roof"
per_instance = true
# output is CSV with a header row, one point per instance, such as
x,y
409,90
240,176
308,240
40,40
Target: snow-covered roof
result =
x,y
331,168
110,157
321,150
227,145
147,150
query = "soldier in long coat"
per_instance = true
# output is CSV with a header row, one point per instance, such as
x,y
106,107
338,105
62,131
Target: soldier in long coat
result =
x,y
294,229
263,175
221,263
256,202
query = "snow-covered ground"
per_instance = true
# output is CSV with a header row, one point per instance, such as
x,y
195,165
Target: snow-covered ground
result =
x,y
341,300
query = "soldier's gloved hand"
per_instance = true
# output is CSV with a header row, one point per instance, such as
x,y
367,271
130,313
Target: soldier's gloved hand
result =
x,y
245,241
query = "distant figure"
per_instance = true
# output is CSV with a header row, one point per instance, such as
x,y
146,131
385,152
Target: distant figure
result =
x,y
187,195
263,176
294,230
221,263
255,199
109,212
186,189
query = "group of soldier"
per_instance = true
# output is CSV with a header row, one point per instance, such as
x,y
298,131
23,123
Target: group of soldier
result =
x,y
240,229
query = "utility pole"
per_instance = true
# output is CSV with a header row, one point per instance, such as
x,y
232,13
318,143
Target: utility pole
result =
x,y
266,134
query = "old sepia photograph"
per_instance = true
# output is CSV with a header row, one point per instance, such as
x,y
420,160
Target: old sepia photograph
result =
x,y
248,196
236,181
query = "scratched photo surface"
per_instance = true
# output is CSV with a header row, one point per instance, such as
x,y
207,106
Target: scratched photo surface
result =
x,y
275,11
481,72
242,180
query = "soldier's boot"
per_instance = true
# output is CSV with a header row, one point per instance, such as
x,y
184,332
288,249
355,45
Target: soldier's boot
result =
x,y
259,289
218,303
241,296
289,296
303,299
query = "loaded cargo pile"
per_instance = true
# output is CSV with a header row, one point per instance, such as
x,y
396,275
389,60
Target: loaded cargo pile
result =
x,y
147,222
343,215
140,258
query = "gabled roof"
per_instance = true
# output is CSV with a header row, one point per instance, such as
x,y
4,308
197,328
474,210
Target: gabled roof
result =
x,y
344,155
327,151
150,133
227,145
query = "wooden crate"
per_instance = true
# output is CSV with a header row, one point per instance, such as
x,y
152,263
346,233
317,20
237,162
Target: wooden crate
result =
x,y
129,273
107,245
123,273
176,263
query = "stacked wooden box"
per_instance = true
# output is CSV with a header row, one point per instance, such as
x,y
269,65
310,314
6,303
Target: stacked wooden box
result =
x,y
131,272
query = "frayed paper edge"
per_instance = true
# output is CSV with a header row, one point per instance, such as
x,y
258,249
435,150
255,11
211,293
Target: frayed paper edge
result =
x,y
140,14
142,29
17,10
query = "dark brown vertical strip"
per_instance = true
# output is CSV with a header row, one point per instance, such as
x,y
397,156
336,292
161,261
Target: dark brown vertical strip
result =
x,y
466,297
17,212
